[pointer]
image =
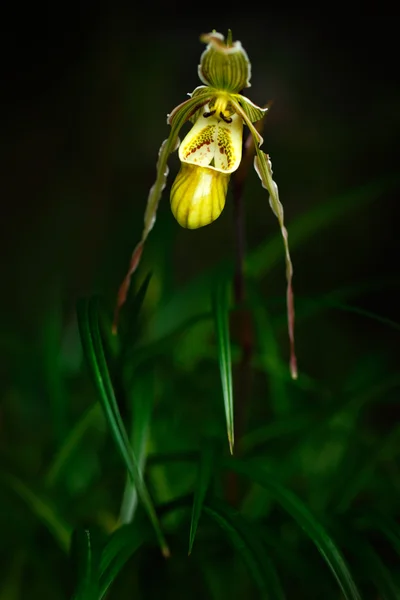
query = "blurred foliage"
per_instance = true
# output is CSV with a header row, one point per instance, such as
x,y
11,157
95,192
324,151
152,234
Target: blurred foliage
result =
x,y
308,507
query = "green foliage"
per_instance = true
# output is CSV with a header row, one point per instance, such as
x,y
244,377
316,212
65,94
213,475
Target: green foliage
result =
x,y
304,480
221,318
114,448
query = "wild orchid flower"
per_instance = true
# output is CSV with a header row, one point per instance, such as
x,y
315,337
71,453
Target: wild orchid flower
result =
x,y
210,153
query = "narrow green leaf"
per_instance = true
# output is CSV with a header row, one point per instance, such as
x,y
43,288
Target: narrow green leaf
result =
x,y
301,514
186,303
377,572
122,544
91,417
269,354
85,559
13,579
129,333
288,427
362,475
93,349
206,464
142,395
370,565
171,457
148,351
365,313
249,546
41,508
324,214
383,524
220,303
193,298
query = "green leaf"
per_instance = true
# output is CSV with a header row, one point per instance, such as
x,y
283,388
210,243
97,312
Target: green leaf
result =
x,y
220,303
142,395
85,559
192,298
364,313
269,354
369,563
42,508
150,350
92,417
130,332
362,475
377,572
266,255
301,514
12,582
92,345
251,442
120,547
384,524
206,464
249,546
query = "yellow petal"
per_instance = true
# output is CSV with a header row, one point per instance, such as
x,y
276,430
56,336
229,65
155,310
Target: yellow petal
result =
x,y
214,141
198,195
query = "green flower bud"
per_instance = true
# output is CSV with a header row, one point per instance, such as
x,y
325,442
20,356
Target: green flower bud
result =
x,y
224,65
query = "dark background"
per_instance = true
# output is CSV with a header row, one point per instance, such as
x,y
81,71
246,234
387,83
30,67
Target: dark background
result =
x,y
86,93
85,96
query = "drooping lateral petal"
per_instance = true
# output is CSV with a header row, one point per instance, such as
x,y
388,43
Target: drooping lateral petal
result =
x,y
199,92
213,142
262,165
224,66
252,111
258,139
263,168
176,119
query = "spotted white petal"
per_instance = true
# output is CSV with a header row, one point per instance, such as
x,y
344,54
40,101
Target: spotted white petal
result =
x,y
214,142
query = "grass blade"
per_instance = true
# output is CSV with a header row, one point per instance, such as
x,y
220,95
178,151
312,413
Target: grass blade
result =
x,y
42,508
300,513
85,556
354,485
142,406
93,349
207,458
377,572
383,524
128,331
263,258
249,546
371,566
220,303
269,354
120,547
93,416
192,298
